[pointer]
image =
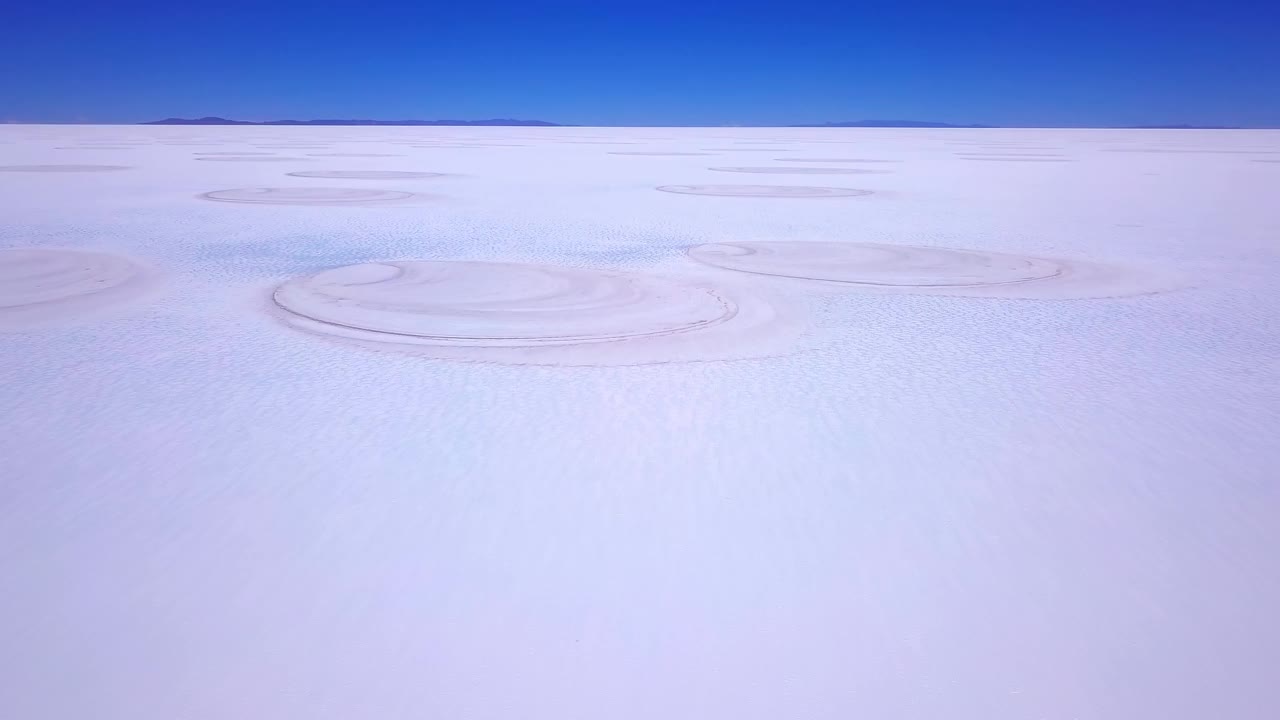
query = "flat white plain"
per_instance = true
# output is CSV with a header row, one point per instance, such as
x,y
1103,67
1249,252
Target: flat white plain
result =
x,y
926,507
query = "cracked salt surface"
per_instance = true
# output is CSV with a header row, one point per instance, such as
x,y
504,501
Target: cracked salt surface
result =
x,y
907,505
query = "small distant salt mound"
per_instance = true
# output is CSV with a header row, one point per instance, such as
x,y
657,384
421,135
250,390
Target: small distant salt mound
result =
x,y
237,153
926,270
1191,151
246,157
365,174
798,170
836,160
353,155
759,191
530,314
308,196
61,168
1011,146
45,286
1017,158
655,153
1006,154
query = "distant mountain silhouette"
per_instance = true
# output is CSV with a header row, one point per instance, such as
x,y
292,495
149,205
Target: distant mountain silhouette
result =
x,y
224,121
890,124
198,121
1183,127
542,123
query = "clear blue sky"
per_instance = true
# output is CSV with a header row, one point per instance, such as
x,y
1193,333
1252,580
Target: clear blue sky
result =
x,y
649,62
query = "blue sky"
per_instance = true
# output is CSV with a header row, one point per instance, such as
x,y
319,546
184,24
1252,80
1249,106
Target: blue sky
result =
x,y
653,62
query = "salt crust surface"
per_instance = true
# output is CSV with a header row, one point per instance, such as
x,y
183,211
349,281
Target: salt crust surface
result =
x,y
923,506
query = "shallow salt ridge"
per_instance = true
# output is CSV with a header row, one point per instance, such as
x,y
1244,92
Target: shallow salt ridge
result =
x,y
61,168
799,170
366,174
764,191
311,196
250,158
658,153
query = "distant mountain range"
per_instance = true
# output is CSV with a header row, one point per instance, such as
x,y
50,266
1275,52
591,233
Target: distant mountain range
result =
x,y
224,121
521,123
1184,127
501,122
920,124
889,124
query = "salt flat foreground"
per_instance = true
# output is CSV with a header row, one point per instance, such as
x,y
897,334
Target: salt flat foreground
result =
x,y
665,424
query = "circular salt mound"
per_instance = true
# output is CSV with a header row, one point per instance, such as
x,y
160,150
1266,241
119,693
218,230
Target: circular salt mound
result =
x,y
1003,154
927,270
771,191
798,170
251,157
507,312
46,286
836,160
307,196
365,174
61,168
659,154
1017,158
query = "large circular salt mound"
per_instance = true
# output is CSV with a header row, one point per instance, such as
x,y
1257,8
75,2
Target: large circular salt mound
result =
x,y
798,170
515,313
927,270
771,191
365,174
46,286
308,196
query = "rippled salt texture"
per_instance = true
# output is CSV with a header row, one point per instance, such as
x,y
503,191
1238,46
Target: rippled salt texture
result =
x,y
971,508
